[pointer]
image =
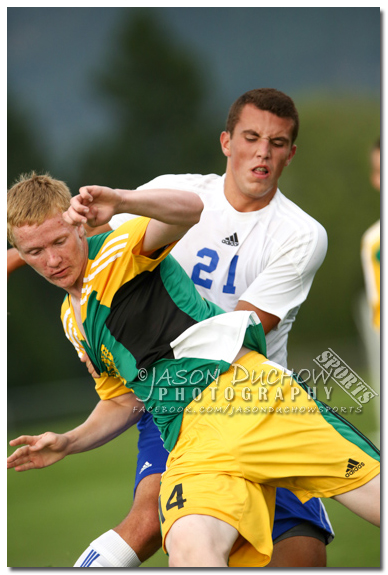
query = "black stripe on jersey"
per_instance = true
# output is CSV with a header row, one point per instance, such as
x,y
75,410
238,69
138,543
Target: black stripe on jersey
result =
x,y
144,318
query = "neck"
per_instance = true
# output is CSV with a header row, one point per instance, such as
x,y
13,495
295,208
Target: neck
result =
x,y
243,202
76,289
75,293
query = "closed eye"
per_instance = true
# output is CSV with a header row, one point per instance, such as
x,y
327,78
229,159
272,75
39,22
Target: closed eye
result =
x,y
278,143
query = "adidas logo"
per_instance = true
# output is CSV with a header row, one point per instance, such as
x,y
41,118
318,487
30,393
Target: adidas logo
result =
x,y
231,240
353,467
145,466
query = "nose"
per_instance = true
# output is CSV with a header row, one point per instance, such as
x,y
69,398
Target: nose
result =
x,y
53,258
263,148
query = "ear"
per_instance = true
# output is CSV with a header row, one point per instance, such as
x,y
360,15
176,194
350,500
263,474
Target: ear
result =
x,y
225,143
81,231
291,155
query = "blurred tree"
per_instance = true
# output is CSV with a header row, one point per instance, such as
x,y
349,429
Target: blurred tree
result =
x,y
36,348
163,123
329,178
158,95
24,152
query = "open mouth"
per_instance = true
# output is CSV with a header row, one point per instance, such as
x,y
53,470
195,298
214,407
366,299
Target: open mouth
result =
x,y
261,171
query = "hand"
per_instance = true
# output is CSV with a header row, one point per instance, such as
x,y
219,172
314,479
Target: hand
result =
x,y
40,451
85,359
94,205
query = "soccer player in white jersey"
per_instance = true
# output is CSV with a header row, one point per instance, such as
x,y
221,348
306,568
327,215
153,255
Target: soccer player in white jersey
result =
x,y
253,249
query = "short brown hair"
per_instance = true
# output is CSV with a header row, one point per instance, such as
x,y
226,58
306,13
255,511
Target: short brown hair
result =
x,y
34,198
269,100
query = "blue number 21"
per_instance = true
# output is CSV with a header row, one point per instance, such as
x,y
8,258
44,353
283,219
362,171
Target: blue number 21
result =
x,y
229,287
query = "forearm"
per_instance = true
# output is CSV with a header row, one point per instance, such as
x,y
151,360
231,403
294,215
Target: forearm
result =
x,y
173,207
171,212
14,261
96,231
109,419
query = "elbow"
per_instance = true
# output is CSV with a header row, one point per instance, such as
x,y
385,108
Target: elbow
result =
x,y
197,209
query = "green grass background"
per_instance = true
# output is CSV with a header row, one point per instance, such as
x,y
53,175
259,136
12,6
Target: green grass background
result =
x,y
54,513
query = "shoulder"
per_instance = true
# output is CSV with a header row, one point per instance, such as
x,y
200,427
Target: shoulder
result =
x,y
287,208
127,234
189,182
297,221
296,235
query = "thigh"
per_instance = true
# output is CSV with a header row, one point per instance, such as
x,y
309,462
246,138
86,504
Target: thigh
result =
x,y
200,541
290,512
301,532
201,480
298,551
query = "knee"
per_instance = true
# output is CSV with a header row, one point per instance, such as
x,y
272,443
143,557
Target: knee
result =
x,y
182,551
188,552
199,541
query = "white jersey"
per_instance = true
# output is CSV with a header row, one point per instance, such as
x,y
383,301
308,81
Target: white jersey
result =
x,y
267,257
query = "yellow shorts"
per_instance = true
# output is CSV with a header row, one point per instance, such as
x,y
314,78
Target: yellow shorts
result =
x,y
242,439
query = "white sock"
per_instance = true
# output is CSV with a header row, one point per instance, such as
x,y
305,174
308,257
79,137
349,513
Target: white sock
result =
x,y
108,550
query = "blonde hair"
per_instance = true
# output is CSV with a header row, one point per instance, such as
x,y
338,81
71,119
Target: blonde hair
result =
x,y
34,198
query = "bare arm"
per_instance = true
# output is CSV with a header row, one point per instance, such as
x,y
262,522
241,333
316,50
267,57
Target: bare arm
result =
x,y
110,418
172,212
14,261
98,230
268,320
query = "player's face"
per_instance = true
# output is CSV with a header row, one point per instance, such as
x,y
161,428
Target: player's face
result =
x,y
257,153
55,250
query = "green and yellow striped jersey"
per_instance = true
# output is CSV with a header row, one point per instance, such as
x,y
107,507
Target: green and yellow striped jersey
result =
x,y
140,316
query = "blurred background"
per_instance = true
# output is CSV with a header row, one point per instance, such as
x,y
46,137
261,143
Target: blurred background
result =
x,y
117,96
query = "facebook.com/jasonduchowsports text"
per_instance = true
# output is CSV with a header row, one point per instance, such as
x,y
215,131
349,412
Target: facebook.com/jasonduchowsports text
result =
x,y
263,391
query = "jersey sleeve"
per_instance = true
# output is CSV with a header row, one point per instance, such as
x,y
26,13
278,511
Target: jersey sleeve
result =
x,y
109,387
286,281
130,237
